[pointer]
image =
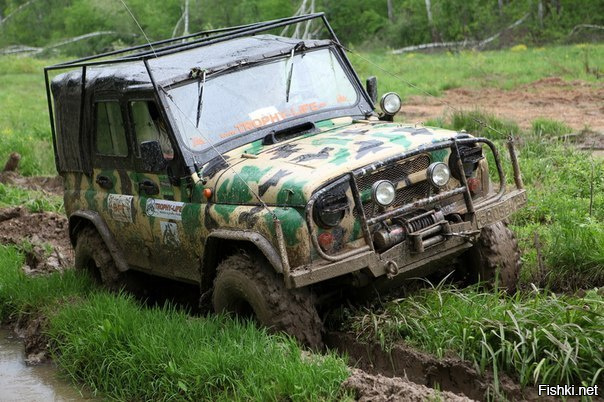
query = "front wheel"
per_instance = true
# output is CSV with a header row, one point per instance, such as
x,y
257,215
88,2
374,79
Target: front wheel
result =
x,y
494,256
247,285
93,257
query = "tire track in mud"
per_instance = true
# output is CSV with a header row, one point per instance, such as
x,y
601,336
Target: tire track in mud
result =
x,y
453,375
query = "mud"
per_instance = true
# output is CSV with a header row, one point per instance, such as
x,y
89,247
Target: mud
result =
x,y
49,185
42,236
367,387
576,103
448,374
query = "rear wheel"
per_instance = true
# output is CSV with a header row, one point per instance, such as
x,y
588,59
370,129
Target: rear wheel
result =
x,y
494,256
93,256
248,286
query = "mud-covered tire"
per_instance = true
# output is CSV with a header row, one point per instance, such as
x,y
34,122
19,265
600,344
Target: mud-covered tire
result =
x,y
248,286
495,255
93,256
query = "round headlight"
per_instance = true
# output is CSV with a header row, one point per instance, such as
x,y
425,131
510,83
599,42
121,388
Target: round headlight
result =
x,y
390,103
439,174
383,192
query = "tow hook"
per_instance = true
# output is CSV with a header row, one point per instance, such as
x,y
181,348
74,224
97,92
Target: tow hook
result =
x,y
392,269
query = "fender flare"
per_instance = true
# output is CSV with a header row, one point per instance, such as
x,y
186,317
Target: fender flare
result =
x,y
76,219
261,242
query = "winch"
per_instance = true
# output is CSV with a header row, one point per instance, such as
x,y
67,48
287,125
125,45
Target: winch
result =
x,y
424,229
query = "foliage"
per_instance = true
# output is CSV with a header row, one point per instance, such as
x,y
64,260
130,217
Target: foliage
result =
x,y
39,23
537,337
128,352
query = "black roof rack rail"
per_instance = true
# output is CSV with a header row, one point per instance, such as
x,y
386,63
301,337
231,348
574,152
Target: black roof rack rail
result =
x,y
170,46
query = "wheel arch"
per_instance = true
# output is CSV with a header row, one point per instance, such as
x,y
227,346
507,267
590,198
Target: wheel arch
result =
x,y
215,252
81,219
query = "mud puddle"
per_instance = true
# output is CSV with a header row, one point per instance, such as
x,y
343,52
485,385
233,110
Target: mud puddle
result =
x,y
20,382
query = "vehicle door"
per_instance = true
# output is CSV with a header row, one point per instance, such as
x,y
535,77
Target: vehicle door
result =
x,y
161,197
111,193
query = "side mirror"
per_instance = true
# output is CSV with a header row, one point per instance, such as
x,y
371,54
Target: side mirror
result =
x,y
152,156
372,90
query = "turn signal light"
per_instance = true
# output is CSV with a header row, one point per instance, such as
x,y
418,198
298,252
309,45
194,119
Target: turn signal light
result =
x,y
207,192
326,240
474,184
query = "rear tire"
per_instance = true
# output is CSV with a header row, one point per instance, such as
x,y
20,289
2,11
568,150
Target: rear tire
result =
x,y
93,256
495,255
247,285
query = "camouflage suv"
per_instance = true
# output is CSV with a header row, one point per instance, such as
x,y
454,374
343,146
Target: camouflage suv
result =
x,y
256,166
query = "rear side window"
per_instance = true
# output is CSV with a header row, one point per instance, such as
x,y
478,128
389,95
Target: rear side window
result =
x,y
110,132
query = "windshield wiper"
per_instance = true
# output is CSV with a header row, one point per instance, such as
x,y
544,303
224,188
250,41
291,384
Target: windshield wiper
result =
x,y
299,46
195,74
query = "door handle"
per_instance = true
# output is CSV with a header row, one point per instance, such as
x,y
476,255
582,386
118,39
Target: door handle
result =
x,y
148,187
104,182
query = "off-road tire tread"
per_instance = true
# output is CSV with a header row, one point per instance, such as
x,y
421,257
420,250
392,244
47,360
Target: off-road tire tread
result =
x,y
496,249
292,310
90,244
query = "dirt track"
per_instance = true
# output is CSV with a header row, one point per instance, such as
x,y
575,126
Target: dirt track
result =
x,y
576,103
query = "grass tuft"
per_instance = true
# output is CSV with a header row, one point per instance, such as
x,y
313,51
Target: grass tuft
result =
x,y
538,337
474,122
547,127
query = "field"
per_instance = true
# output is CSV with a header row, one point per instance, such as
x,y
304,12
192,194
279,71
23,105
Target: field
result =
x,y
550,99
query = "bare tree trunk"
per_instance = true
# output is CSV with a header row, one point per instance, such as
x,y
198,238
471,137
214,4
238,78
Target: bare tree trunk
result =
x,y
186,30
500,3
306,34
540,12
390,11
435,36
17,10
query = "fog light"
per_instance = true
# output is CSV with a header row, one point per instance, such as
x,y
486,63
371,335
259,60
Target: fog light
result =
x,y
439,174
383,192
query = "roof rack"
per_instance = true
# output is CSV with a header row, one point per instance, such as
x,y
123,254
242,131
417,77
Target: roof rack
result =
x,y
191,41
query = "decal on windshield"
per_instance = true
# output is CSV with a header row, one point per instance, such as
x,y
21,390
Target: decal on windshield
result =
x,y
271,115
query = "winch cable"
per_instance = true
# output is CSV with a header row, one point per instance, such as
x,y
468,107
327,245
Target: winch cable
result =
x,y
228,165
412,85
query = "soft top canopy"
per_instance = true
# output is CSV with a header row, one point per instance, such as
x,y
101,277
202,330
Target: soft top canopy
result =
x,y
175,67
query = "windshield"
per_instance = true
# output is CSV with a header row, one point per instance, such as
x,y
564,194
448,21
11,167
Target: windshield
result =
x,y
238,102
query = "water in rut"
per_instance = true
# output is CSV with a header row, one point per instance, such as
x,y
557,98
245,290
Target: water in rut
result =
x,y
20,382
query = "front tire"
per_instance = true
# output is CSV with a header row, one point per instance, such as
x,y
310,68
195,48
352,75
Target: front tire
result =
x,y
248,286
93,257
494,256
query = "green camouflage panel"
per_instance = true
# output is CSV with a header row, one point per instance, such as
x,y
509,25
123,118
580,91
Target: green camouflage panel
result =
x,y
165,233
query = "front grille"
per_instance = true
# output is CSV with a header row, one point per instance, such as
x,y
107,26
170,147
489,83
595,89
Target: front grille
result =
x,y
395,173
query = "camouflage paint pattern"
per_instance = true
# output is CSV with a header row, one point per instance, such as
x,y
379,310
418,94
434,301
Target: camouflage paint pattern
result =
x,y
167,232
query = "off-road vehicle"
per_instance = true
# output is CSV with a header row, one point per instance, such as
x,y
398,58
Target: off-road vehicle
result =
x,y
256,166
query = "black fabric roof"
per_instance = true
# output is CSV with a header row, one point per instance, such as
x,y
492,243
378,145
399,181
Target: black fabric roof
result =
x,y
177,66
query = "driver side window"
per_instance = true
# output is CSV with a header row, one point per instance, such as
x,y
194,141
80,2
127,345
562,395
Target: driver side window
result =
x,y
149,126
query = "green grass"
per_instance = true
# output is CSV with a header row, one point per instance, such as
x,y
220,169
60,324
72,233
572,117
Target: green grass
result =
x,y
505,69
549,127
24,124
124,351
536,337
35,201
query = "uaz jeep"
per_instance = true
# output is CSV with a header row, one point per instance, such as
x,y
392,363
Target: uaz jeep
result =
x,y
255,166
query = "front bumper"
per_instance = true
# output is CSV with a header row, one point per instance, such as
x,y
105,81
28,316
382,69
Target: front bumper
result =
x,y
415,251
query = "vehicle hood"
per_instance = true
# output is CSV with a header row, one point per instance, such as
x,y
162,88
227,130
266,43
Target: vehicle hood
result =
x,y
287,173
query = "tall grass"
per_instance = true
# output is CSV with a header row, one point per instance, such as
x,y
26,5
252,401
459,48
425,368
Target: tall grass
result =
x,y
125,351
537,337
